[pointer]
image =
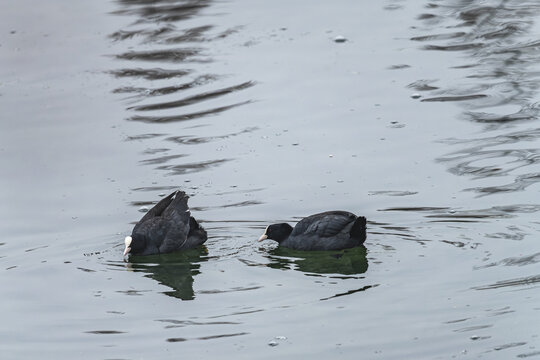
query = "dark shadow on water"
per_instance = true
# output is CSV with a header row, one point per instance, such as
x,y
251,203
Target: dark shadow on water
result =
x,y
175,270
341,262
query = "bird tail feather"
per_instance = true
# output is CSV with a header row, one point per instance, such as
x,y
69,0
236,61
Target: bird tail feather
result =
x,y
358,229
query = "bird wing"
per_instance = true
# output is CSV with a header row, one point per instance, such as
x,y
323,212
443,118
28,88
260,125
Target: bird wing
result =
x,y
325,224
177,219
153,231
154,212
177,208
166,226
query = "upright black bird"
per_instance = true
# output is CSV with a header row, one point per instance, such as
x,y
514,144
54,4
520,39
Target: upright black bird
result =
x,y
165,228
331,230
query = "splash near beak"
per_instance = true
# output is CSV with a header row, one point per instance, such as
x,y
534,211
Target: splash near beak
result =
x,y
263,237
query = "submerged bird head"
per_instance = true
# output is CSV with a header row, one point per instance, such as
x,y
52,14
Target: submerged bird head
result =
x,y
277,232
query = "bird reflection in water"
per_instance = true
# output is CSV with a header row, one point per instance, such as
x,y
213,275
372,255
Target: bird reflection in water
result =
x,y
175,270
345,262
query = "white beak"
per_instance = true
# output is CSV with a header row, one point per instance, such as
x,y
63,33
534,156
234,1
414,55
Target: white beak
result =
x,y
127,241
263,237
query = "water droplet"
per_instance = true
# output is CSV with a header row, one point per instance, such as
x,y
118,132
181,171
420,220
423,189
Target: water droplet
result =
x,y
340,39
331,155
475,337
161,194
416,96
281,338
143,209
273,343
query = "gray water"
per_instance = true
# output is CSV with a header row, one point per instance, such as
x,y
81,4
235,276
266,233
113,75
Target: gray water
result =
x,y
425,120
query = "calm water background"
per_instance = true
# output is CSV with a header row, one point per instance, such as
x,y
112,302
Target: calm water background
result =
x,y
426,121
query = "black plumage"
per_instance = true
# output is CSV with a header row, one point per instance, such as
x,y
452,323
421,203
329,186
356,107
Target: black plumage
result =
x,y
165,228
331,230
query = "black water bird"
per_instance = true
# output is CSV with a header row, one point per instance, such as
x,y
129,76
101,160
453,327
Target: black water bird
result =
x,y
165,228
331,230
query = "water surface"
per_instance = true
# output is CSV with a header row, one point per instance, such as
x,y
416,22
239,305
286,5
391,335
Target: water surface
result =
x,y
423,120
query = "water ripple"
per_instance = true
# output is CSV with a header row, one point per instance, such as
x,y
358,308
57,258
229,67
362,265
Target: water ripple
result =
x,y
150,11
181,169
105,332
453,47
168,55
454,98
193,99
236,204
363,288
211,337
185,117
456,215
520,183
501,58
142,137
143,92
439,36
509,345
160,34
515,261
194,140
183,323
126,34
527,281
166,34
161,159
150,74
